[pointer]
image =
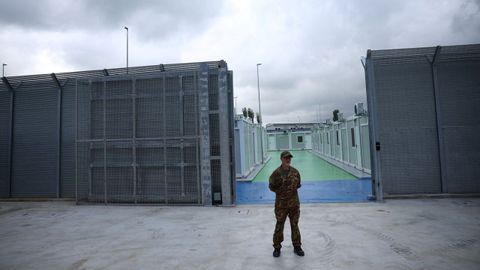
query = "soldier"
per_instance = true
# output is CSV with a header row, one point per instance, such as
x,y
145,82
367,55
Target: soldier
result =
x,y
285,181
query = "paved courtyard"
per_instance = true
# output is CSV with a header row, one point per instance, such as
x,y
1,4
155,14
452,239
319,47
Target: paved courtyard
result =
x,y
398,234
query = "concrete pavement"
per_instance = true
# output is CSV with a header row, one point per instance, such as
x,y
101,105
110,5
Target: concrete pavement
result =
x,y
398,234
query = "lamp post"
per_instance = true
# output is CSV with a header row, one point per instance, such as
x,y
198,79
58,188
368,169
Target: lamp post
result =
x,y
3,69
260,112
126,28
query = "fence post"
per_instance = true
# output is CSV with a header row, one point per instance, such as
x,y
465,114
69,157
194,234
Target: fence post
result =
x,y
204,135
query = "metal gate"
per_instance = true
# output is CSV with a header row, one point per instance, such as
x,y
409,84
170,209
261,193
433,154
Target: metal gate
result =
x,y
137,140
154,139
160,133
423,106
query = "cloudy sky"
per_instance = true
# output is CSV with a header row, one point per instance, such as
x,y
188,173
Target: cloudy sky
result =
x,y
310,50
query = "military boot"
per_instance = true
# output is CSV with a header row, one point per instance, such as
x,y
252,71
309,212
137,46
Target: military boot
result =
x,y
298,250
276,252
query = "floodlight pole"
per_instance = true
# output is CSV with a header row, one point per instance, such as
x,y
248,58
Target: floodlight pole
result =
x,y
126,28
260,112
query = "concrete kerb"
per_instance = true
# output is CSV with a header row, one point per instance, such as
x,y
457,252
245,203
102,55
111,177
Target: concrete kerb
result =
x,y
351,170
254,172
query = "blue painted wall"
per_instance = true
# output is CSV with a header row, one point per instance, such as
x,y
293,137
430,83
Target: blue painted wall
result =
x,y
310,192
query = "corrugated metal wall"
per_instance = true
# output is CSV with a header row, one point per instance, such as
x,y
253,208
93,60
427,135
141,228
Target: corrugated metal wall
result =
x,y
424,105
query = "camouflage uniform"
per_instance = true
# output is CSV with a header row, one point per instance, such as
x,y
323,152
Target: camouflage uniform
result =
x,y
285,184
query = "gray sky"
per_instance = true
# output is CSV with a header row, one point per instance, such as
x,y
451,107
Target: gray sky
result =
x,y
310,50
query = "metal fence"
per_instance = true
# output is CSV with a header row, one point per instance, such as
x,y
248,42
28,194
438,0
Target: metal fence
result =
x,y
161,134
423,105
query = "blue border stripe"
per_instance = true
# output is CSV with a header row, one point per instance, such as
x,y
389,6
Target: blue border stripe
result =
x,y
310,192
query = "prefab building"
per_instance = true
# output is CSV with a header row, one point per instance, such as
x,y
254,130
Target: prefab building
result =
x,y
150,134
250,138
424,125
346,141
289,136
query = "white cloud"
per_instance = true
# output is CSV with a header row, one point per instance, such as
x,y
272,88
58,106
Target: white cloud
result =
x,y
310,50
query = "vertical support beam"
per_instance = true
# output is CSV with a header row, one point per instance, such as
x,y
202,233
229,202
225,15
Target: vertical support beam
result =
x,y
199,188
105,141
341,142
204,132
231,119
134,140
224,126
377,180
164,115
75,116
182,158
438,118
59,131
90,161
11,134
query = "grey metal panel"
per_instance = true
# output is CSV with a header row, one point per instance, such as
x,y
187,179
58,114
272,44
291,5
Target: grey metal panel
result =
x,y
35,145
459,93
4,142
161,165
462,149
224,140
407,126
67,173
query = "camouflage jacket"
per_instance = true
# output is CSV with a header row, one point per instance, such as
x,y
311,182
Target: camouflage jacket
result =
x,y
285,187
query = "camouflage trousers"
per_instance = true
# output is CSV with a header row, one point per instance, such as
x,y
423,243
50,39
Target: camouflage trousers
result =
x,y
281,215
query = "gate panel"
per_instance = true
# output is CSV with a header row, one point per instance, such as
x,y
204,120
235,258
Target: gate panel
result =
x,y
136,141
406,115
5,119
36,141
458,84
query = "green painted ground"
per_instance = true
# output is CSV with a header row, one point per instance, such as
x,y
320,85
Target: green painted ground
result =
x,y
310,167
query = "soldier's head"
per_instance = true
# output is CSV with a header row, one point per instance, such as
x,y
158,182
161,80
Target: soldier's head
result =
x,y
286,158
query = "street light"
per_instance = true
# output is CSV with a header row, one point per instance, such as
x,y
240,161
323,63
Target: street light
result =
x,y
126,28
260,112
3,69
